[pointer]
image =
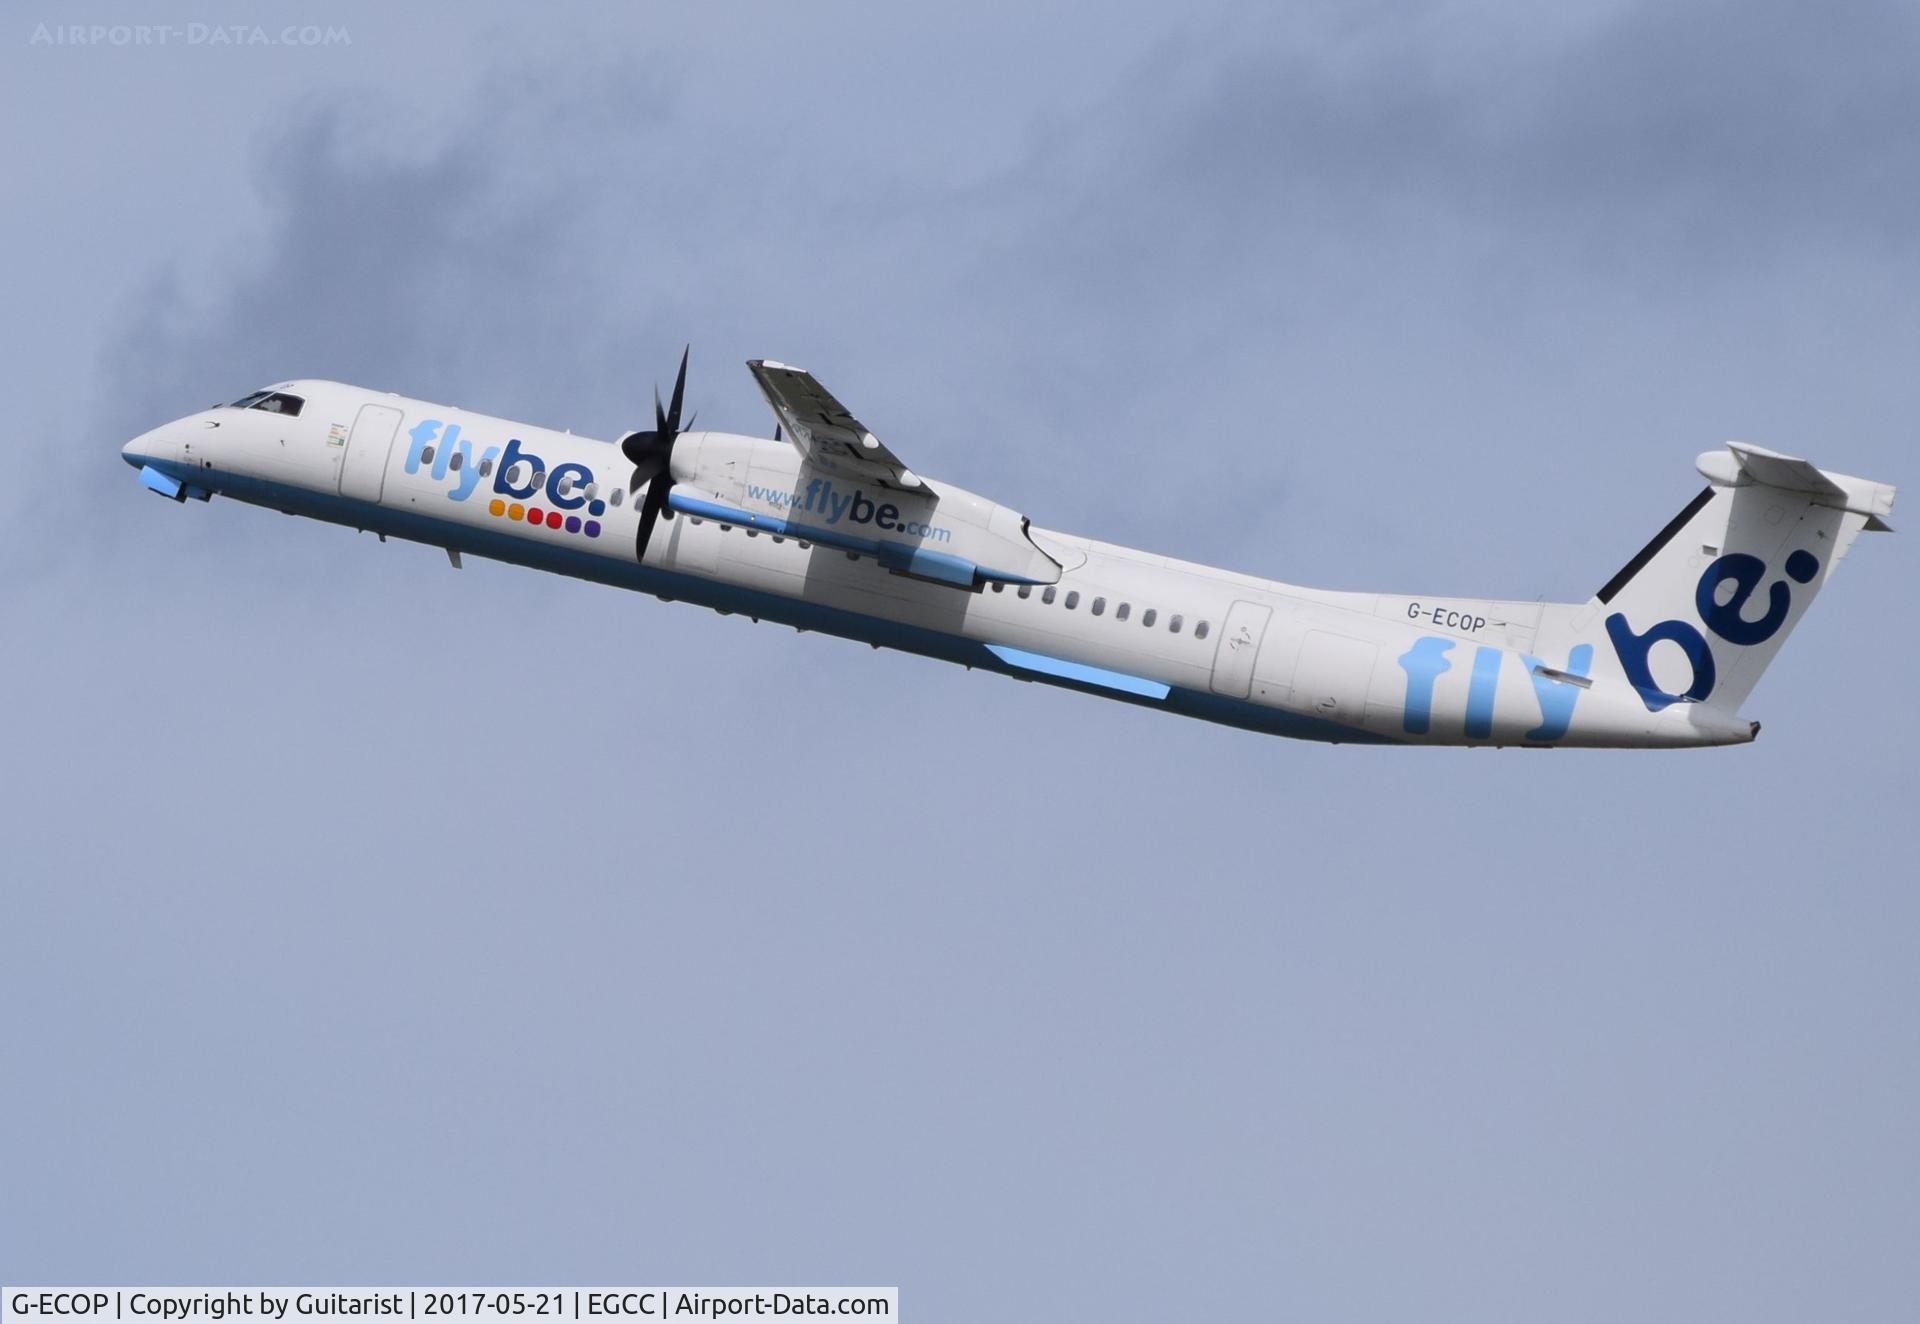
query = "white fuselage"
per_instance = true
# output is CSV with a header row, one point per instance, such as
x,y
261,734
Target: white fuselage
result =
x,y
1127,624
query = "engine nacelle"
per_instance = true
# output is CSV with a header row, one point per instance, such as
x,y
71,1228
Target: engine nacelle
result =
x,y
935,531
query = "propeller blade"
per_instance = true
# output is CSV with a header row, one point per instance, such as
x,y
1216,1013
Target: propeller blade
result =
x,y
679,390
651,454
650,513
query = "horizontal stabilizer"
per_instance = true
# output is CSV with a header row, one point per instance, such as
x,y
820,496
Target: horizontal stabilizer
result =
x,y
1741,464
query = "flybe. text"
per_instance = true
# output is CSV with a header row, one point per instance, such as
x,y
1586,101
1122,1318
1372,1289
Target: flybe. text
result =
x,y
520,474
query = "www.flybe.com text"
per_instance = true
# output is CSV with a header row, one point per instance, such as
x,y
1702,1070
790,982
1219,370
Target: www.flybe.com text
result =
x,y
820,497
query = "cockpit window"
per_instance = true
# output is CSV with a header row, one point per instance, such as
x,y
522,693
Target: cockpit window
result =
x,y
272,402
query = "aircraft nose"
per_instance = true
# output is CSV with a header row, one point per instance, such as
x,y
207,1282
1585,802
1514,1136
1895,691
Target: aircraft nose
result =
x,y
161,443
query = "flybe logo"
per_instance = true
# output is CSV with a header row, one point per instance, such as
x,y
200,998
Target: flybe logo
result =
x,y
1727,619
524,488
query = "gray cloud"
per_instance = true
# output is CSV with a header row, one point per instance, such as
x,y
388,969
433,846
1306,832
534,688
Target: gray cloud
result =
x,y
397,265
1707,136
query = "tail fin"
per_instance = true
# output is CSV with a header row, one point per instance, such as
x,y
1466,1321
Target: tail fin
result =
x,y
1731,575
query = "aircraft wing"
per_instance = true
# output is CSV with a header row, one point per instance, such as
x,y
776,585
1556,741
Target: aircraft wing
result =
x,y
824,432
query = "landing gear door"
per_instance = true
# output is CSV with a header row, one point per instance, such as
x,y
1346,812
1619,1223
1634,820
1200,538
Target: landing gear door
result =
x,y
1239,645
363,470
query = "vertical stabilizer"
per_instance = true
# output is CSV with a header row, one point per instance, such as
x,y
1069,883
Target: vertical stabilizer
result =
x,y
1699,612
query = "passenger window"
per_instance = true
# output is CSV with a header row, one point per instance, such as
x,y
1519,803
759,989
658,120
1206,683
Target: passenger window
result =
x,y
1199,629
426,455
1026,590
539,477
564,487
1047,595
453,465
1121,612
1146,618
998,586
613,497
1073,600
1174,625
1099,605
486,467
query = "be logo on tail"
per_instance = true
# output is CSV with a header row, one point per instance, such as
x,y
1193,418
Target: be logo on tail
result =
x,y
1727,619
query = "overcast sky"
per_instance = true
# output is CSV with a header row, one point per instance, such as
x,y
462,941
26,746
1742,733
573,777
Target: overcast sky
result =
x,y
331,953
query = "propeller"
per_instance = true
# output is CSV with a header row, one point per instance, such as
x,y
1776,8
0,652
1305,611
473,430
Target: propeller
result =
x,y
651,454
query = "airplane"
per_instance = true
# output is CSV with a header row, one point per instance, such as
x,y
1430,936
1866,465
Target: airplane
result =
x,y
824,528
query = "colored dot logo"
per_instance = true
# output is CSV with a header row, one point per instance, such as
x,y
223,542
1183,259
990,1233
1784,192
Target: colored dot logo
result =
x,y
553,519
